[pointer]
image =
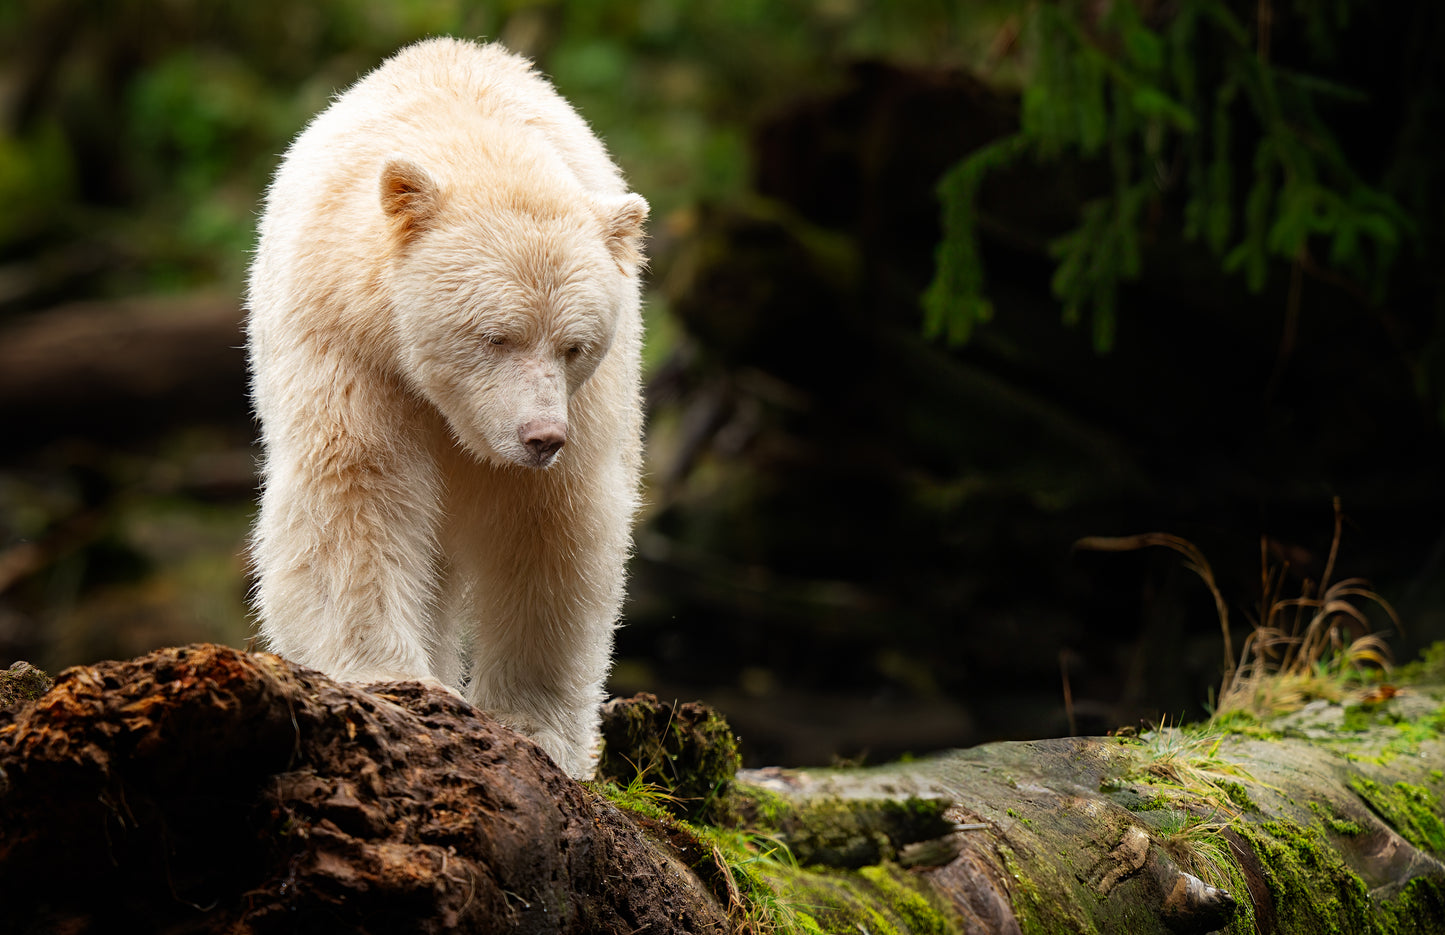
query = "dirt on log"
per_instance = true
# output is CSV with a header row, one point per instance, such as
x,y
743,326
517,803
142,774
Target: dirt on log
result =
x,y
202,789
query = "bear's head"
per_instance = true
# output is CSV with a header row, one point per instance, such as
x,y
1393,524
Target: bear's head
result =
x,y
506,301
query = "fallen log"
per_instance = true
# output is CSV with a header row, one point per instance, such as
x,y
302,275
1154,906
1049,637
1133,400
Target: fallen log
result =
x,y
119,372
203,789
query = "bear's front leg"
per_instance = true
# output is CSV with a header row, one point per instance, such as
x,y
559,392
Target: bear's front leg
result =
x,y
563,723
540,651
545,600
345,544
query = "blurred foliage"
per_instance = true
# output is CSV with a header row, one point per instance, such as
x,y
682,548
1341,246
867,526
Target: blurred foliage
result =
x,y
1170,100
137,135
836,505
137,138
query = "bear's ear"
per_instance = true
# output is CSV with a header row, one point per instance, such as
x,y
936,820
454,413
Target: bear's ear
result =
x,y
409,196
622,227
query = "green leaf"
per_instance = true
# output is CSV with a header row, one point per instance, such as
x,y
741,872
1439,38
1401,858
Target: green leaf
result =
x,y
1314,84
1223,17
1152,102
1292,222
1345,244
1104,320
1379,228
1092,115
1144,47
1160,103
1257,205
954,302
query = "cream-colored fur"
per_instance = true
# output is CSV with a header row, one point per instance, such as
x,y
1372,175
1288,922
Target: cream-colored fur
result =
x,y
444,291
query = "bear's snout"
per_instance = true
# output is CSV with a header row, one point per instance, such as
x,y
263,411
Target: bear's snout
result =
x,y
542,438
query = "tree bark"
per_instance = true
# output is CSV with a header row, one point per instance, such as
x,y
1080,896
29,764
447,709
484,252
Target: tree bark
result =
x,y
202,789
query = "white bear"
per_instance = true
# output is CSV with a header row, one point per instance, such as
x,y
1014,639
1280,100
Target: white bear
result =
x,y
444,338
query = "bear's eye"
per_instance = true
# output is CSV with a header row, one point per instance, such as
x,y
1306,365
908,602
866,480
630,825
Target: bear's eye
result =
x,y
496,340
574,352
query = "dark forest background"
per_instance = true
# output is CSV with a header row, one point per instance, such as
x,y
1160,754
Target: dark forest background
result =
x,y
1184,273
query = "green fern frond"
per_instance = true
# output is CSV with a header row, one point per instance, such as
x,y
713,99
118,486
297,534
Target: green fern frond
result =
x,y
1116,87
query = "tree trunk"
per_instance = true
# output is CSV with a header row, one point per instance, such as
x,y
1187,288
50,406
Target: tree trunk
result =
x,y
202,789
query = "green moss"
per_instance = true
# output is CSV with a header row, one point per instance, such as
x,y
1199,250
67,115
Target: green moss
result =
x,y
756,877
837,833
847,833
881,900
1409,735
1312,888
1418,909
1243,723
1362,717
1137,796
1411,810
637,797
755,807
771,892
921,915
1331,821
780,875
687,750
1047,911
1017,817
1238,795
1429,667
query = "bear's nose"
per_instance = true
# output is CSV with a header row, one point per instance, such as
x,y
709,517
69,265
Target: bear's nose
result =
x,y
543,439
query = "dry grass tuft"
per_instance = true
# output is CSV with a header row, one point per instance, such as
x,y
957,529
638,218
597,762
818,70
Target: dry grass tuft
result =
x,y
1306,647
1187,764
1301,648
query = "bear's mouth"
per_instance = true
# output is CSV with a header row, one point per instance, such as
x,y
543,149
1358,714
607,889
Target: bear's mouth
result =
x,y
540,462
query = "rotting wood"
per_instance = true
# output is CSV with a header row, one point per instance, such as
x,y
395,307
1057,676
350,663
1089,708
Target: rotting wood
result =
x,y
202,789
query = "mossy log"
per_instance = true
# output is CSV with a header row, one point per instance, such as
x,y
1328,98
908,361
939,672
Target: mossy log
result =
x,y
1301,827
202,789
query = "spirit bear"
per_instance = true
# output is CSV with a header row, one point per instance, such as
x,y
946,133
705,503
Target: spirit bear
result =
x,y
444,338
